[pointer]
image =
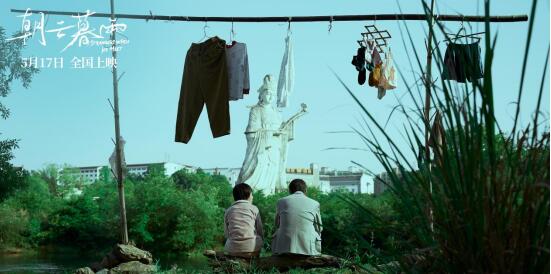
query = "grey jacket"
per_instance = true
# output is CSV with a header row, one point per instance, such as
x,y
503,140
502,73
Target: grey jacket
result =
x,y
298,226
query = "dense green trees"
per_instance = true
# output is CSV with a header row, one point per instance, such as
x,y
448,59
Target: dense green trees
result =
x,y
11,178
181,213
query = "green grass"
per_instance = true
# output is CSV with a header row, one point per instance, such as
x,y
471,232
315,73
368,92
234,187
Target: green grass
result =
x,y
479,202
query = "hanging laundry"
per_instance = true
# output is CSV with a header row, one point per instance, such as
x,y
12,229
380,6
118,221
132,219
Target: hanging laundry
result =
x,y
368,58
437,137
113,159
375,76
359,62
204,81
376,63
375,56
237,62
462,62
286,75
387,80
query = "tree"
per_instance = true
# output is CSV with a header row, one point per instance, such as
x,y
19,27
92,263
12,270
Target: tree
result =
x,y
62,180
11,178
50,175
11,68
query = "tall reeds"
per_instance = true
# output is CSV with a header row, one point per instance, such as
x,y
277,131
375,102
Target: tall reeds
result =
x,y
479,203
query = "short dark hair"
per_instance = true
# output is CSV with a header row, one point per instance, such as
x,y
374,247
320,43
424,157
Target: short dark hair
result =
x,y
242,191
297,185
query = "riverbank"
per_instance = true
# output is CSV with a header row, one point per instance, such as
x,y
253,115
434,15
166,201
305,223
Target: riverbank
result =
x,y
66,260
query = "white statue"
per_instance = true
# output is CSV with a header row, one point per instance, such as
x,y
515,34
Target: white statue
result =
x,y
267,139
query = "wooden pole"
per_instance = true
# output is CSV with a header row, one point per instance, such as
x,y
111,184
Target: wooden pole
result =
x,y
120,182
322,18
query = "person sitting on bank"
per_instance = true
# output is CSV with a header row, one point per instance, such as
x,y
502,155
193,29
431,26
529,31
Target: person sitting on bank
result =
x,y
242,225
298,223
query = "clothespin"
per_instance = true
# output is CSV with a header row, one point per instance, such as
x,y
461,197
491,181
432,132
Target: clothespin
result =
x,y
330,24
151,15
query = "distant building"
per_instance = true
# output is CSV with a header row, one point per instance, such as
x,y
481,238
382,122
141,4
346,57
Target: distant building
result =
x,y
310,175
382,181
93,173
231,173
328,180
352,180
89,173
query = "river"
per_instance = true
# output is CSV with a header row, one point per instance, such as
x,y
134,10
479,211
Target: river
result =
x,y
67,262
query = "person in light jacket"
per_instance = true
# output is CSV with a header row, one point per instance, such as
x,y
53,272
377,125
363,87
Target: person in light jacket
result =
x,y
298,223
242,225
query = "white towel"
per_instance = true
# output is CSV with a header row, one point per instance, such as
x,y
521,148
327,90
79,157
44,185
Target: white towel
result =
x,y
286,75
388,73
113,159
388,76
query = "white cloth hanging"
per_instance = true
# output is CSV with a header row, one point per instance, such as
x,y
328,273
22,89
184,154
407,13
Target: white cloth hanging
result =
x,y
286,75
113,159
388,75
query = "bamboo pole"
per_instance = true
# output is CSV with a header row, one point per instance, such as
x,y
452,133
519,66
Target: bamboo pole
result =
x,y
120,182
322,18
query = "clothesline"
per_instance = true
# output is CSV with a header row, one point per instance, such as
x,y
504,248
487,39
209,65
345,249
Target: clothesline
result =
x,y
322,18
327,18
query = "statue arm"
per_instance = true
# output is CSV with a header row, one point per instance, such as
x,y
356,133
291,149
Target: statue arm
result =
x,y
289,123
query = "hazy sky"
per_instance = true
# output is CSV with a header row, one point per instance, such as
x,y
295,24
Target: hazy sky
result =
x,y
64,117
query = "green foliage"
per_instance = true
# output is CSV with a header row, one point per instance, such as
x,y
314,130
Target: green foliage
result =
x,y
11,178
179,214
62,180
161,215
200,180
26,214
14,223
50,175
105,175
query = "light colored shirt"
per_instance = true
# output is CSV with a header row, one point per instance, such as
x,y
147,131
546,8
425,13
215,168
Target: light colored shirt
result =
x,y
237,62
298,223
242,228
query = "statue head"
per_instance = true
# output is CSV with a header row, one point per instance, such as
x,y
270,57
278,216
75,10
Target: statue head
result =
x,y
267,91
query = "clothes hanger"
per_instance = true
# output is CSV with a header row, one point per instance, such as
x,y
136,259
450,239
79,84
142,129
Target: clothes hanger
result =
x,y
453,37
204,32
376,37
232,33
214,38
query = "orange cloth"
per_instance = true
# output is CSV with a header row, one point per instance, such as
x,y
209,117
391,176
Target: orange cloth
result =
x,y
375,76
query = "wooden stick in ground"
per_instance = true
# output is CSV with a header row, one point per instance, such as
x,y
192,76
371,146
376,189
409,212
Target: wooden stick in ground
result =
x,y
120,182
